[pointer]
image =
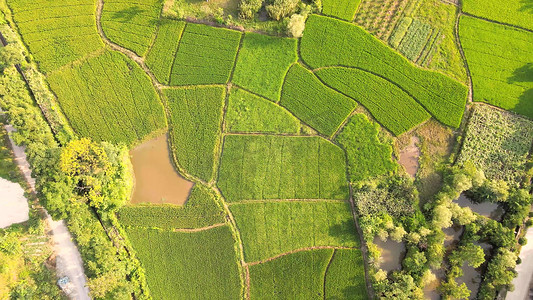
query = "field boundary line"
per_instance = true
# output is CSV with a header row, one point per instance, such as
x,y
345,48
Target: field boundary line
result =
x,y
176,52
299,250
462,52
326,272
193,230
285,200
496,22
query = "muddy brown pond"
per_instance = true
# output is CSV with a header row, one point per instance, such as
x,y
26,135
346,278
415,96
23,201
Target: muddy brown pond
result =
x,y
487,209
156,180
392,254
409,157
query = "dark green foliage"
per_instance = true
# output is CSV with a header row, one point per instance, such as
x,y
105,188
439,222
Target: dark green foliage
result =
x,y
200,210
345,277
263,62
201,265
330,42
311,101
294,276
206,55
279,9
162,53
280,167
196,120
109,98
248,8
367,156
343,9
517,208
247,112
271,228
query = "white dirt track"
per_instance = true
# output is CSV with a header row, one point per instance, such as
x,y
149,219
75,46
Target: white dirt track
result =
x,y
13,205
525,271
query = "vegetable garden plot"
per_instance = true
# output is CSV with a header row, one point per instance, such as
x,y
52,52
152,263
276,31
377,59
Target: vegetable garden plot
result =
x,y
415,40
206,55
108,98
201,265
514,12
279,167
330,42
269,229
247,112
201,210
57,32
294,276
388,103
500,61
196,120
345,276
131,24
498,143
162,53
314,103
263,63
343,9
367,156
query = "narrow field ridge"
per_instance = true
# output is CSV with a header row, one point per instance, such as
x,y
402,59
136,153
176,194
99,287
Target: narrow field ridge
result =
x,y
296,251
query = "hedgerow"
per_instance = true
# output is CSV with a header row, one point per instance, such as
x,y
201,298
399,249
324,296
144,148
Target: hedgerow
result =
x,y
345,276
108,98
131,24
295,276
263,62
200,210
247,112
162,53
280,167
195,127
206,55
330,42
343,9
498,143
57,32
514,12
389,104
271,228
415,39
499,58
201,265
368,157
314,103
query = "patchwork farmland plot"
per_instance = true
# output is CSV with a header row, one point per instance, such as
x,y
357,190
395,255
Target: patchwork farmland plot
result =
x,y
415,40
270,57
201,210
343,9
164,49
196,120
294,276
57,32
269,229
514,12
179,264
500,61
247,112
329,42
345,275
388,103
108,98
317,105
280,167
206,55
359,138
131,24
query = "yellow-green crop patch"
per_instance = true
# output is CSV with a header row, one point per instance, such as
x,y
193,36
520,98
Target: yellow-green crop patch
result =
x,y
345,277
343,9
514,12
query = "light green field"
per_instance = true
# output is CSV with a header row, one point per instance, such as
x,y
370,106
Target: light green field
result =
x,y
343,9
514,12
345,277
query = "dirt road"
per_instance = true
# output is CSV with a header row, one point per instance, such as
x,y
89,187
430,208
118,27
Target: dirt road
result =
x,y
525,271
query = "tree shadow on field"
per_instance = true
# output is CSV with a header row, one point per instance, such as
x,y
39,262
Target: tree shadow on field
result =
x,y
527,6
127,14
524,74
344,231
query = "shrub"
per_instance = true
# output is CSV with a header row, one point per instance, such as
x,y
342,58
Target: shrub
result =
x,y
248,8
279,9
296,26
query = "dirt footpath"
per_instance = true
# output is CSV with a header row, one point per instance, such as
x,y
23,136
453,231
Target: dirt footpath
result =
x,y
13,205
525,271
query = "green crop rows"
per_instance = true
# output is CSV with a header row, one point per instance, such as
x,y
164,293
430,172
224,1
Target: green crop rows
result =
x,y
56,32
247,112
195,127
206,55
415,40
263,62
131,24
388,103
200,210
278,167
329,42
294,276
343,9
367,156
317,105
514,12
345,275
108,98
179,265
499,58
162,53
272,228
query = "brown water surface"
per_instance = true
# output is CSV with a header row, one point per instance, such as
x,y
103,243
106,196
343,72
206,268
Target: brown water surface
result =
x,y
156,180
409,157
487,209
392,254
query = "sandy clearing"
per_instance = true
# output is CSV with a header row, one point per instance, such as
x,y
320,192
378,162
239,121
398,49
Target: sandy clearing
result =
x,y
525,271
13,205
